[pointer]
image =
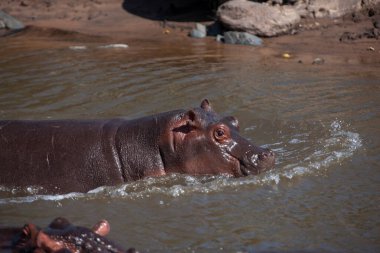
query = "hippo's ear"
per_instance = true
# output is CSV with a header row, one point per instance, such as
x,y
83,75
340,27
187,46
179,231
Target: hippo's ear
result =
x,y
101,228
232,121
46,243
205,105
31,231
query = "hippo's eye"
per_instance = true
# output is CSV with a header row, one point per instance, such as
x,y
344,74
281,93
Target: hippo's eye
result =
x,y
221,133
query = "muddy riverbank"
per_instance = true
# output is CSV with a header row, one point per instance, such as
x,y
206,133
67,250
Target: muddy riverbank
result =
x,y
340,42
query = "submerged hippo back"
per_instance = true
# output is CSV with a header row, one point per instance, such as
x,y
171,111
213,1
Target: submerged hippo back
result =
x,y
59,155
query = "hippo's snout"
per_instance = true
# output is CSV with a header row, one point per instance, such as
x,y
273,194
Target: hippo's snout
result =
x,y
255,163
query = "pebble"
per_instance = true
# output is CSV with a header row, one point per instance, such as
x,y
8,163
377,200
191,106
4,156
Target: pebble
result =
x,y
201,28
286,55
242,38
370,48
200,31
197,34
11,22
318,61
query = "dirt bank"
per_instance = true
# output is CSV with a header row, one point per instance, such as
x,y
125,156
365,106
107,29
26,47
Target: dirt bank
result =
x,y
340,41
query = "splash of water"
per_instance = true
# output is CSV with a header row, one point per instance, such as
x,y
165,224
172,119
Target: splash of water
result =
x,y
339,145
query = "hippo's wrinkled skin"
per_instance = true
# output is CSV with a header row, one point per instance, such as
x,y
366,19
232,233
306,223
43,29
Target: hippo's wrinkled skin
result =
x,y
80,155
60,237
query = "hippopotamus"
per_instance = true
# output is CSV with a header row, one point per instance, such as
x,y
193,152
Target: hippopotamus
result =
x,y
79,155
60,237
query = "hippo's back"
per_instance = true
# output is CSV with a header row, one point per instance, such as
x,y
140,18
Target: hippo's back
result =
x,y
59,154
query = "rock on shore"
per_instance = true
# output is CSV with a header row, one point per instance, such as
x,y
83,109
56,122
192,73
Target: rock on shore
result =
x,y
256,18
276,17
332,9
9,22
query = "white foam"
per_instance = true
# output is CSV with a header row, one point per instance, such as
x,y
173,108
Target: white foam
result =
x,y
295,141
340,145
81,47
33,198
114,46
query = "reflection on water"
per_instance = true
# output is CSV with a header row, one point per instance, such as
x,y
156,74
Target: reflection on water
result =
x,y
322,122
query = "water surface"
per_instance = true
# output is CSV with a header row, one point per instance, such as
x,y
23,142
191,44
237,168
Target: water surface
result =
x,y
322,122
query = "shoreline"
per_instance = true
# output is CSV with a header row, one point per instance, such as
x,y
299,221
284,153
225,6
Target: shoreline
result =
x,y
107,20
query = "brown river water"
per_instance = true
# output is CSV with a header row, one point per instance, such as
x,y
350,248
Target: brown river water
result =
x,y
322,122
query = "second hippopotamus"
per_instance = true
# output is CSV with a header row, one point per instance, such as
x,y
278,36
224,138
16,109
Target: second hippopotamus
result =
x,y
79,155
59,237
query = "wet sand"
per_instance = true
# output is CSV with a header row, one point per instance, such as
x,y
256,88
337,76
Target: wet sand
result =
x,y
109,20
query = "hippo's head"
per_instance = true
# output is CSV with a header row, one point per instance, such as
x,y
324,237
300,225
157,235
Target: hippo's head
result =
x,y
63,237
199,141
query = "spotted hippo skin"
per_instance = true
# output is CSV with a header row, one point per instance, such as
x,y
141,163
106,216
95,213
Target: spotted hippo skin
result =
x,y
63,237
79,155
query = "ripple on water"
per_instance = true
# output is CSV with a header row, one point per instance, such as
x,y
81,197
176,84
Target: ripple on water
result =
x,y
337,145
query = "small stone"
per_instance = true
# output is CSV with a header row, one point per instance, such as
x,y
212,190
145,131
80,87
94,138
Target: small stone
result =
x,y
370,48
197,34
201,28
242,38
318,61
11,22
286,55
200,31
2,25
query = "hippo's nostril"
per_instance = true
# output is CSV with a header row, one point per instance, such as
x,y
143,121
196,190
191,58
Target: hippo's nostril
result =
x,y
266,154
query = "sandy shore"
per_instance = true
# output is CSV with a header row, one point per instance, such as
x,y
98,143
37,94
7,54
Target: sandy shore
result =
x,y
110,19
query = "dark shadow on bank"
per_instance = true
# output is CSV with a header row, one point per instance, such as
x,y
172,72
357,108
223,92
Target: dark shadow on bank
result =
x,y
172,10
